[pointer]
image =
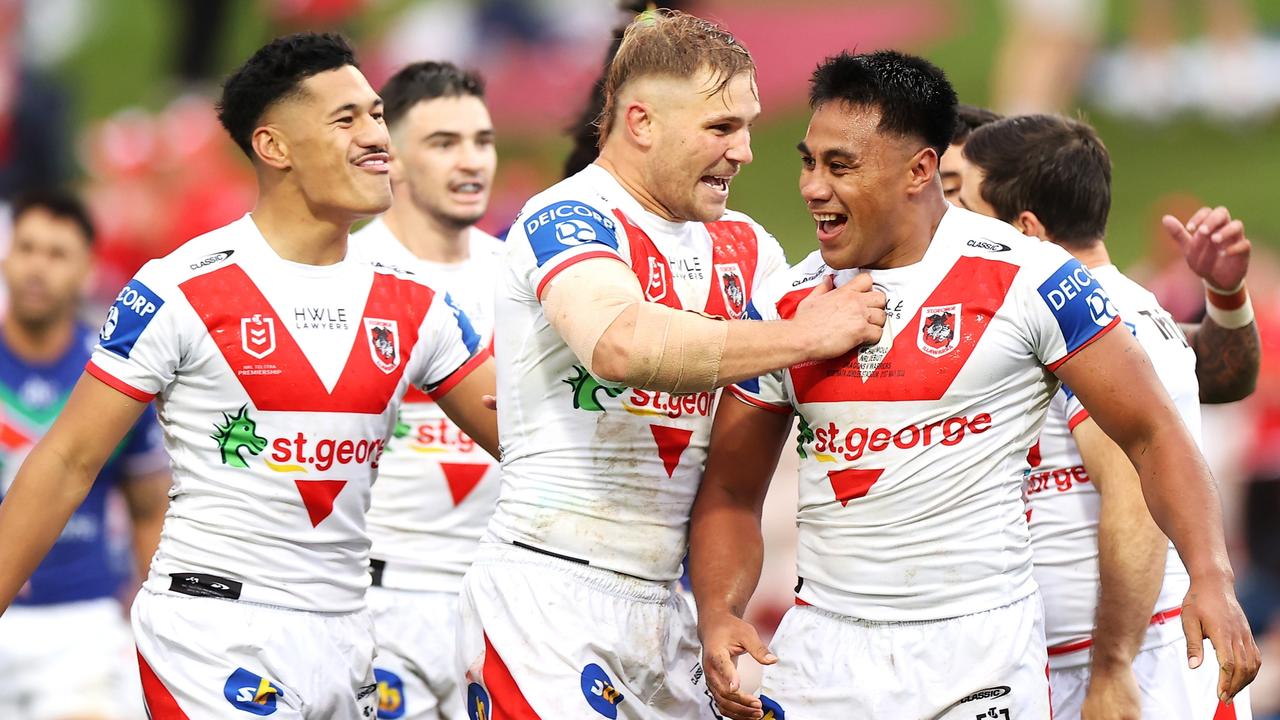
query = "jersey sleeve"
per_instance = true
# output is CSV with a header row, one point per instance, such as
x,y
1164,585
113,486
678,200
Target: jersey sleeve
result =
x,y
140,344
769,391
1065,307
453,348
143,450
562,233
1067,406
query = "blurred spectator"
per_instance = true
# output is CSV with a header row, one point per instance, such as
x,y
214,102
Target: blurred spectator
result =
x,y
33,115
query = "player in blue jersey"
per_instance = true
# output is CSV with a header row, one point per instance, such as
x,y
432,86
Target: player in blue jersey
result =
x,y
65,650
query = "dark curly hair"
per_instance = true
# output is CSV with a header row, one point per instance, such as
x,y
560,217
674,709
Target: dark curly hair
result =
x,y
273,73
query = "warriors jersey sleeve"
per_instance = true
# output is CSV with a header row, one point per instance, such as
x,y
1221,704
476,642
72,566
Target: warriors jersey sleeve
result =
x,y
141,345
562,232
453,348
1065,306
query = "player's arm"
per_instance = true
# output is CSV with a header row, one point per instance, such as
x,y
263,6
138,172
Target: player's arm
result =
x,y
597,307
725,545
1227,346
1114,380
1131,562
465,406
57,475
147,497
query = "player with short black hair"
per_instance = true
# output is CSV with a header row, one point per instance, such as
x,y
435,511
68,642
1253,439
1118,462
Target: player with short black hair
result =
x,y
279,363
951,165
1112,585
436,486
57,203
916,594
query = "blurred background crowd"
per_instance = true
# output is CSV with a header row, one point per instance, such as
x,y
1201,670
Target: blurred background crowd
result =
x,y
114,99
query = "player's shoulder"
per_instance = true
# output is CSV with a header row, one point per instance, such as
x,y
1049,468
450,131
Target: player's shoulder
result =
x,y
970,234
582,197
736,219
202,254
484,245
1124,290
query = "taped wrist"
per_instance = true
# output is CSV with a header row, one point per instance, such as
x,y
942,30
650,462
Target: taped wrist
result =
x,y
675,351
1229,309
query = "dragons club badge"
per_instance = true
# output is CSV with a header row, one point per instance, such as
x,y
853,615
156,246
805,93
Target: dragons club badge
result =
x,y
939,329
384,343
733,288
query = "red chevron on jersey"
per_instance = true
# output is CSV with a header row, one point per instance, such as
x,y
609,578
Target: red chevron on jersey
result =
x,y
649,265
734,256
976,285
851,483
318,497
462,478
672,443
282,378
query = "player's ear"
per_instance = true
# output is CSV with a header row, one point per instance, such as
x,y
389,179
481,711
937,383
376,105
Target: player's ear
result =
x,y
1028,224
271,147
923,169
638,118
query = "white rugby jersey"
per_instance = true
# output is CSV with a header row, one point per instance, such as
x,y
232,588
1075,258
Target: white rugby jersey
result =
x,y
913,449
596,472
436,487
1063,505
277,385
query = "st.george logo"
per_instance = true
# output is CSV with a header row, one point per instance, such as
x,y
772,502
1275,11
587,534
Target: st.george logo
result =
x,y
251,693
939,329
598,689
258,336
235,433
384,343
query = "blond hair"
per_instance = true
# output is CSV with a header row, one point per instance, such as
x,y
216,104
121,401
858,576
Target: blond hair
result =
x,y
674,44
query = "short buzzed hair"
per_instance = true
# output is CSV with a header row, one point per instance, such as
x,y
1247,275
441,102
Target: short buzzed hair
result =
x,y
912,94
672,44
422,81
276,71
1053,166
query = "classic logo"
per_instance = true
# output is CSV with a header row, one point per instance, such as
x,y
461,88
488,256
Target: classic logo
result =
x,y
939,329
208,260
258,336
990,693
733,288
985,244
598,689
384,343
235,433
656,288
251,693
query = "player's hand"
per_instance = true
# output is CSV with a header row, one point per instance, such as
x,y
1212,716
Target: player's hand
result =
x,y
724,638
1210,611
1112,695
843,318
1214,246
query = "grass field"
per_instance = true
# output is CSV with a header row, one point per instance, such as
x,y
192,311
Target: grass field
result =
x,y
124,62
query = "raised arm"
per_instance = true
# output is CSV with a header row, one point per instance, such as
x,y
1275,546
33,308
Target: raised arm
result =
x,y
1131,562
597,307
1114,380
57,475
726,547
1227,346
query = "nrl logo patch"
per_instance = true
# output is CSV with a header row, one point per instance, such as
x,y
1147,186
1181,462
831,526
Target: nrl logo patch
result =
x,y
656,288
384,343
939,329
733,288
258,336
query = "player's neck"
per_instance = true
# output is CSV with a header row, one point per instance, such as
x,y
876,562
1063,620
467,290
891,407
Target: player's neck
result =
x,y
1093,256
915,234
634,185
40,342
301,236
426,236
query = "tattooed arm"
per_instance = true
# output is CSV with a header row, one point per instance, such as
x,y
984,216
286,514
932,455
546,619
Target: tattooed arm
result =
x,y
1227,346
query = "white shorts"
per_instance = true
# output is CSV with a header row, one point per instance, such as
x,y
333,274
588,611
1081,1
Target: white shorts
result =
x,y
212,658
986,665
542,637
68,660
1170,690
416,667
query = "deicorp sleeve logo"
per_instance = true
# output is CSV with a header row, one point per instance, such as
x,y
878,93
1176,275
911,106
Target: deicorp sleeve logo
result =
x,y
1077,302
133,310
